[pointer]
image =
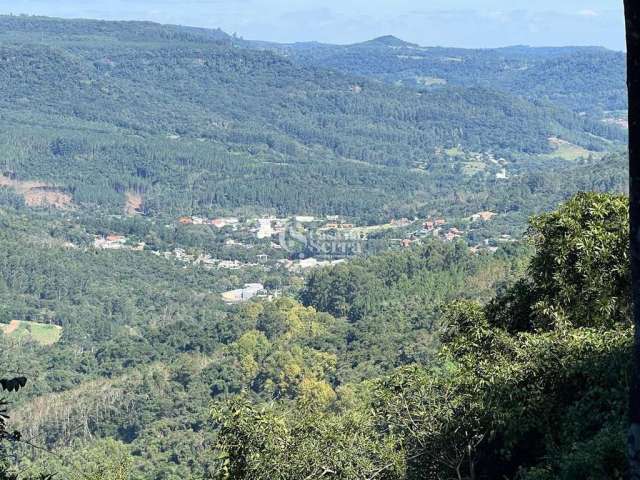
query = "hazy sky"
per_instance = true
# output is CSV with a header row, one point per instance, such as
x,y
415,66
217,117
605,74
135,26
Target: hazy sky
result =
x,y
465,23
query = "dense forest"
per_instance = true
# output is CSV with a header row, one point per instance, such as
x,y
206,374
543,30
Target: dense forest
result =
x,y
582,79
532,384
407,363
194,123
147,344
498,352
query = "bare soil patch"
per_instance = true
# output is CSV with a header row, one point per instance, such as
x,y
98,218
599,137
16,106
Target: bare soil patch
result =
x,y
38,194
12,327
133,204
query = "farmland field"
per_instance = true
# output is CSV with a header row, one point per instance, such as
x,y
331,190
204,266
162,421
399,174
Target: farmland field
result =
x,y
38,332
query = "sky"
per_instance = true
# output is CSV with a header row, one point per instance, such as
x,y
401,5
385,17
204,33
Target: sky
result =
x,y
457,23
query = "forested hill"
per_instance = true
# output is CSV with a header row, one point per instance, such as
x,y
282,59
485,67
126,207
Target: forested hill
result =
x,y
59,30
400,329
590,79
193,122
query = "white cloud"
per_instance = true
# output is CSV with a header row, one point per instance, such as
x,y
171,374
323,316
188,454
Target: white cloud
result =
x,y
588,13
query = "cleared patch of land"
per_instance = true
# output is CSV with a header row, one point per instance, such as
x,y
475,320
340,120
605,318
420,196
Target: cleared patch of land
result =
x,y
454,152
38,194
569,151
41,333
133,203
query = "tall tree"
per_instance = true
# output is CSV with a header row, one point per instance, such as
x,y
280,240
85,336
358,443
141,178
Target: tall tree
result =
x,y
632,15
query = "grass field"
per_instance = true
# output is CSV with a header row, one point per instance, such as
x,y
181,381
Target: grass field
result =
x,y
569,151
38,332
454,152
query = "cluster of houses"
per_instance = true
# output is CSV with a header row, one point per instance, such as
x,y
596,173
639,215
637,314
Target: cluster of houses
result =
x,y
431,225
264,227
205,260
438,227
452,234
208,262
216,222
482,216
120,242
308,264
435,227
116,242
268,227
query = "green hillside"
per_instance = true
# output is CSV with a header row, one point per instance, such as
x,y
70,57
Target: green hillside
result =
x,y
582,79
150,336
195,124
436,241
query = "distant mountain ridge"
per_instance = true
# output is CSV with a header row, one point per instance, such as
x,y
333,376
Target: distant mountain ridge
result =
x,y
583,79
389,41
